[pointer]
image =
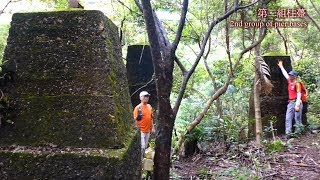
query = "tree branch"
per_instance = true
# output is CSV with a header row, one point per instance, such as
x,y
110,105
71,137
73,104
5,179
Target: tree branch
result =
x,y
163,40
227,34
284,40
5,6
314,6
145,85
180,27
139,5
312,20
242,28
217,94
121,31
203,45
182,68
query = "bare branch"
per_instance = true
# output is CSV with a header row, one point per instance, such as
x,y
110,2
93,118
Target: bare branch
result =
x,y
227,33
215,86
145,85
217,94
180,27
264,32
284,40
162,35
312,20
182,68
203,45
197,38
141,54
203,97
121,32
209,71
5,6
243,35
209,49
138,5
314,6
125,6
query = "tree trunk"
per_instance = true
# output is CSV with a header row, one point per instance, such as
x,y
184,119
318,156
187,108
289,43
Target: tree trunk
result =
x,y
218,93
257,83
163,140
163,68
256,95
163,57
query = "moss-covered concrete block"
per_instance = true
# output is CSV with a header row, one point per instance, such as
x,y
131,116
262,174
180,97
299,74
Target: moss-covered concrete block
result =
x,y
25,162
70,91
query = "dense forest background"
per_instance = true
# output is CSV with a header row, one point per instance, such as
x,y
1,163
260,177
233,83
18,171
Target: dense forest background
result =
x,y
226,119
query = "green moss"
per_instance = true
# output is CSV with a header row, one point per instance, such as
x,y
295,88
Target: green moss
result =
x,y
77,98
274,54
58,165
84,125
72,163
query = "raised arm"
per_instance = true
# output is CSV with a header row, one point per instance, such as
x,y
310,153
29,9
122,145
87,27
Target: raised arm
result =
x,y
284,72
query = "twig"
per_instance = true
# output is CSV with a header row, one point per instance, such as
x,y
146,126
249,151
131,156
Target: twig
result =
x,y
284,40
141,53
314,162
269,175
143,86
131,11
302,165
313,5
304,157
227,36
202,49
2,94
312,20
5,6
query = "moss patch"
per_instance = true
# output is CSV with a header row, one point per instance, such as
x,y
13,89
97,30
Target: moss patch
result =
x,y
274,54
63,163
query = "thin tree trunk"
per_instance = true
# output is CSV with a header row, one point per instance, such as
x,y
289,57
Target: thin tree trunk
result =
x,y
312,20
257,109
216,95
257,84
215,87
314,6
2,11
284,40
163,57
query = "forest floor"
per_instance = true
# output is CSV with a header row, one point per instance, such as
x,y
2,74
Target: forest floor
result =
x,y
296,158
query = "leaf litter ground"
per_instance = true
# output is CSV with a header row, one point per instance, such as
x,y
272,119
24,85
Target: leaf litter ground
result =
x,y
300,159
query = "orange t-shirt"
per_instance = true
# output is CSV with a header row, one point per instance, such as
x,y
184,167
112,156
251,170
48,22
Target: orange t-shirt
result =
x,y
145,123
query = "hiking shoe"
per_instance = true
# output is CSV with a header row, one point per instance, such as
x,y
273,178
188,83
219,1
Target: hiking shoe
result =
x,y
286,136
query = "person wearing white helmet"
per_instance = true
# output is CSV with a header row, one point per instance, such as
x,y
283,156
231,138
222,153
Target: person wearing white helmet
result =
x,y
143,116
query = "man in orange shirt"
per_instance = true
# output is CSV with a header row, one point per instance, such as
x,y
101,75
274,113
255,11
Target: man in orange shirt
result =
x,y
143,116
294,108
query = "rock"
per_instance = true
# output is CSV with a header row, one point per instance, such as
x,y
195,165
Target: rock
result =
x,y
147,164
